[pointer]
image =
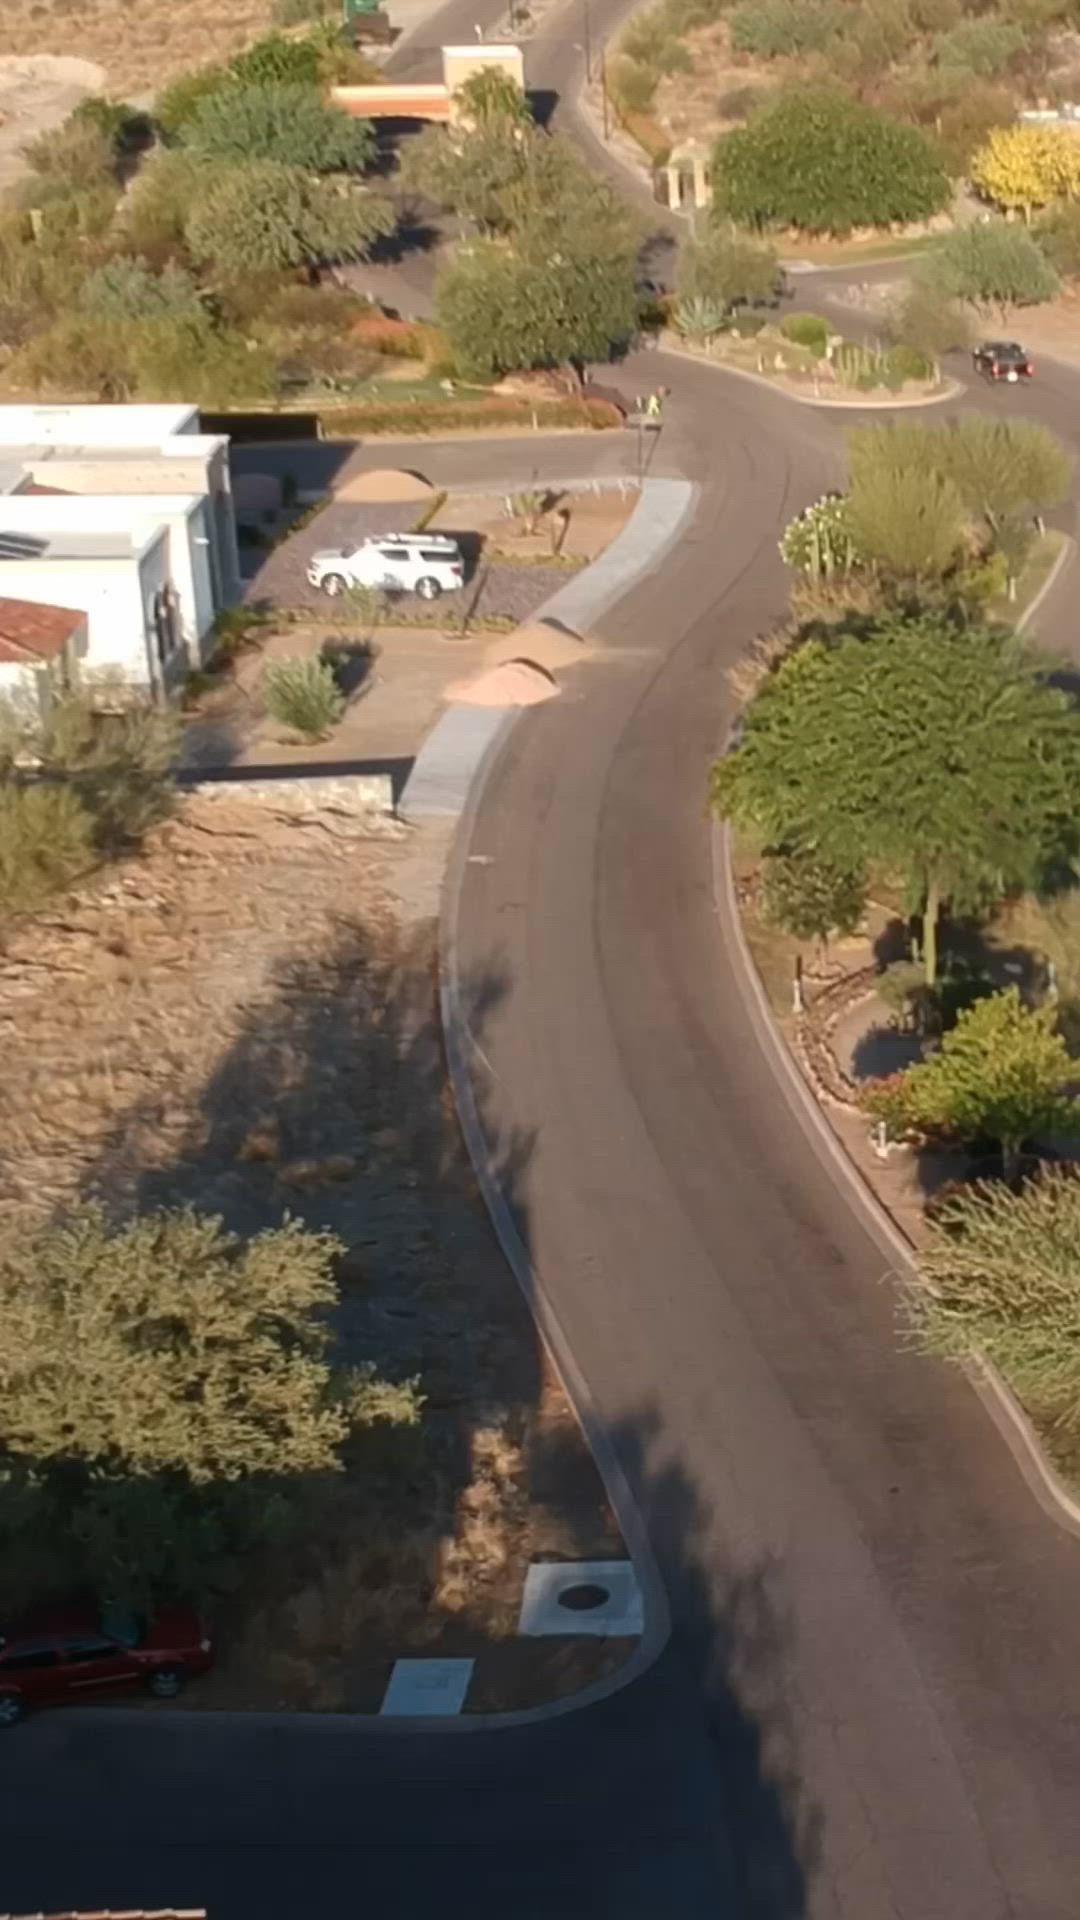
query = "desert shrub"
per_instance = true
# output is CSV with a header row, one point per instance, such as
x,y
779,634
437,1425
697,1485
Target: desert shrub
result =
x,y
46,840
770,29
963,125
158,205
72,157
930,323
1058,235
699,318
127,288
180,101
738,103
746,323
984,47
728,267
120,766
633,86
806,330
278,60
905,362
126,128
303,695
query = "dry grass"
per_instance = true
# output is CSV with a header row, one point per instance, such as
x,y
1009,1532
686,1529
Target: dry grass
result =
x,y
140,46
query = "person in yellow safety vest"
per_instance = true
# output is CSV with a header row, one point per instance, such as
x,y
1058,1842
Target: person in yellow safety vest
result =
x,y
654,406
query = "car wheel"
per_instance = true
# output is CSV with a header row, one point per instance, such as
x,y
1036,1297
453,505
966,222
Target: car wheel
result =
x,y
165,1683
333,584
12,1708
428,588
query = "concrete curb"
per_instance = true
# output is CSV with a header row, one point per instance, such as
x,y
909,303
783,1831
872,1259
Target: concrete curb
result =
x,y
1008,1416
635,552
949,391
1067,554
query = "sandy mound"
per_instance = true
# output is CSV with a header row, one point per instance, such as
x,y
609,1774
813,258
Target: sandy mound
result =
x,y
517,683
385,483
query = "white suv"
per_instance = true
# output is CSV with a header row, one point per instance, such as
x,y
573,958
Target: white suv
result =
x,y
423,563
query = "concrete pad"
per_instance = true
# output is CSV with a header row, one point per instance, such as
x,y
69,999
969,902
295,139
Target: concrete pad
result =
x,y
419,1687
599,1597
385,483
516,683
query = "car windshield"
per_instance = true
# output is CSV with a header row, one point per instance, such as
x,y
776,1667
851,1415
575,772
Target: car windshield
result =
x,y
123,1624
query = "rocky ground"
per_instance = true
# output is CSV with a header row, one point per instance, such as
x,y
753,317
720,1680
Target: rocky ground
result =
x,y
244,1016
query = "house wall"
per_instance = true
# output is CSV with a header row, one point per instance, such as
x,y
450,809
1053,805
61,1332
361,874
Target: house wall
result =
x,y
118,596
102,426
186,520
187,464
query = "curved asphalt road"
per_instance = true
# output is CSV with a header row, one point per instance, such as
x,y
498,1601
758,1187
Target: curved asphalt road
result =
x,y
870,1708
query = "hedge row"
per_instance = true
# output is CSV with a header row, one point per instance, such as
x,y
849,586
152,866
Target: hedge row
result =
x,y
421,417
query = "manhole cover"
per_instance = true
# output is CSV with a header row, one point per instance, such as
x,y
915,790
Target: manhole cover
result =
x,y
583,1598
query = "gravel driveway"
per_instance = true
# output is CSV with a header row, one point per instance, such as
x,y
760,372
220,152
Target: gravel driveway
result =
x,y
506,591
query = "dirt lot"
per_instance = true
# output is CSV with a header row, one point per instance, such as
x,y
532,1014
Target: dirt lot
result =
x,y
244,1016
139,47
37,92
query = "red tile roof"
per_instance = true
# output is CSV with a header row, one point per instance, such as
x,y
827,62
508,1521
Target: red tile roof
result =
x,y
35,487
30,633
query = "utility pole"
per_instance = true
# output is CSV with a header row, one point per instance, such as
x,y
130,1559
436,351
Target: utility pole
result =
x,y
588,41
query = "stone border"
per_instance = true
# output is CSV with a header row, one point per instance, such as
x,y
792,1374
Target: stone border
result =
x,y
1042,1478
867,404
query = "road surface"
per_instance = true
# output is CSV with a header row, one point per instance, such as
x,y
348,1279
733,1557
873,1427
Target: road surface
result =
x,y
870,1707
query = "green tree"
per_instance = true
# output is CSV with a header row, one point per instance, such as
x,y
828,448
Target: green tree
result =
x,y
994,266
1004,471
286,121
908,525
468,172
929,322
261,216
535,305
166,1387
823,162
810,897
1000,1074
728,268
937,753
1001,1276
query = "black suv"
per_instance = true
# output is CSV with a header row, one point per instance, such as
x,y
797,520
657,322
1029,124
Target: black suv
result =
x,y
1002,360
